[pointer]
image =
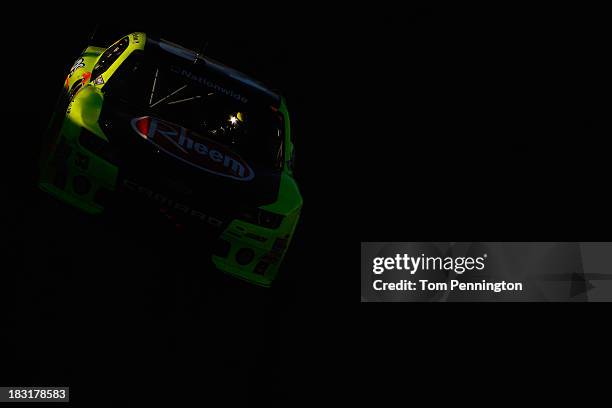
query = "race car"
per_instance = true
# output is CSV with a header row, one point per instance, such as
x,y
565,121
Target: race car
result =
x,y
204,145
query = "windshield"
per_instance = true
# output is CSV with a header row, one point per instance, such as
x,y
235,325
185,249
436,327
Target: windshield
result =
x,y
208,109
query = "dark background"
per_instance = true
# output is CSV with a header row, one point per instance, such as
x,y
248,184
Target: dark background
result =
x,y
431,124
489,124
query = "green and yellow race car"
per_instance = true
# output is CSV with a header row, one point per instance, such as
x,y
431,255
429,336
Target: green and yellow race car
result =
x,y
203,145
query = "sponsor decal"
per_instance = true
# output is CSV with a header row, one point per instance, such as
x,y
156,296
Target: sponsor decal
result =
x,y
167,202
192,148
136,38
208,83
80,63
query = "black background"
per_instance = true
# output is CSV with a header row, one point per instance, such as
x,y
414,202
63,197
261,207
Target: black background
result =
x,y
489,124
425,125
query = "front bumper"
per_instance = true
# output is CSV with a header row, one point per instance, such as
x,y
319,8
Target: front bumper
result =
x,y
254,253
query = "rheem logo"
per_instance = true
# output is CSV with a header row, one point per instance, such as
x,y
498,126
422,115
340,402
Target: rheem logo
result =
x,y
192,148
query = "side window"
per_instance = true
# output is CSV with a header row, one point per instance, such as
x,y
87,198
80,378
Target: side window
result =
x,y
110,56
